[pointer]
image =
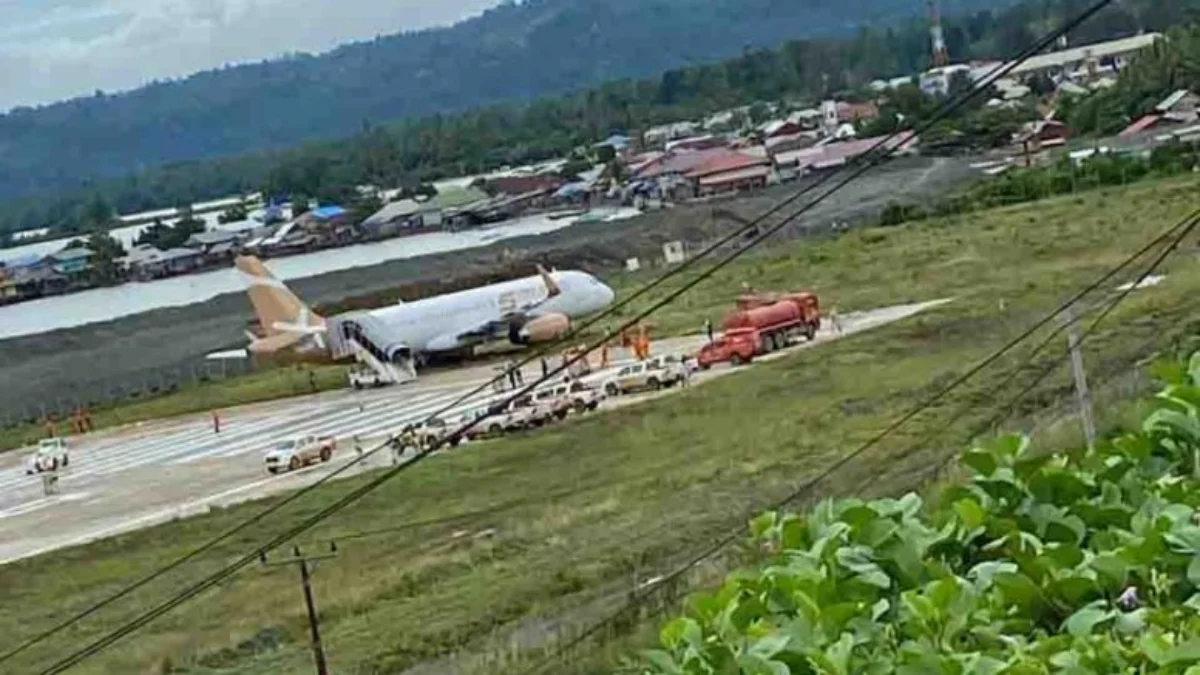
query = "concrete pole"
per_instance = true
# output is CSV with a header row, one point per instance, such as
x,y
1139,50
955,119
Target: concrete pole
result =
x,y
1082,394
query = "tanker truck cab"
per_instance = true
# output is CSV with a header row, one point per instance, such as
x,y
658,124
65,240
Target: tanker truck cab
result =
x,y
51,455
737,346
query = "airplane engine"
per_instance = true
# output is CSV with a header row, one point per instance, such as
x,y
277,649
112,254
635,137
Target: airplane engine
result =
x,y
542,329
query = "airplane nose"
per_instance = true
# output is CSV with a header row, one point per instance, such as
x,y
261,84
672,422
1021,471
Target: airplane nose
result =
x,y
608,295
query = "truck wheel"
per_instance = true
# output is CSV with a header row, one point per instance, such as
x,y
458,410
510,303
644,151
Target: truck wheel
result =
x,y
54,464
66,461
273,470
612,390
358,386
495,429
593,406
294,464
561,414
326,454
654,383
735,361
810,332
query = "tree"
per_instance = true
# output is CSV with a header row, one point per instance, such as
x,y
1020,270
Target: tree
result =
x,y
234,214
106,251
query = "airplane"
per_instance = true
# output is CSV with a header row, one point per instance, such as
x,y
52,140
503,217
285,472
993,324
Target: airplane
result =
x,y
522,311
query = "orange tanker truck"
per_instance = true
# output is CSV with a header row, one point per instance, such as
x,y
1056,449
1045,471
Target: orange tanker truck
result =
x,y
763,324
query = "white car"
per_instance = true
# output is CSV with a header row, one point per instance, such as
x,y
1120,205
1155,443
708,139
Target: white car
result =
x,y
655,373
577,395
362,377
296,453
51,455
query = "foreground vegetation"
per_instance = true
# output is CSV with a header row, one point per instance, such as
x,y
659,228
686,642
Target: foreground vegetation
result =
x,y
490,555
1082,561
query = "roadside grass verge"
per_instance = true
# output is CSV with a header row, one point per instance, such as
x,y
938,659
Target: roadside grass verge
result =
x,y
583,512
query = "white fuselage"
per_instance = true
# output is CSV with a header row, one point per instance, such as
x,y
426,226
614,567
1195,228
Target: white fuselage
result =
x,y
437,324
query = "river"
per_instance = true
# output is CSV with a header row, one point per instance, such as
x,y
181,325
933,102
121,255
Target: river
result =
x,y
106,304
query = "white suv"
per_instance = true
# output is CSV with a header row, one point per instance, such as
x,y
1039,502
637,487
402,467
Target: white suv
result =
x,y
655,373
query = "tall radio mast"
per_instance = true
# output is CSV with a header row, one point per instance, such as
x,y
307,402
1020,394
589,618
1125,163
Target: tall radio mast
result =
x,y
941,55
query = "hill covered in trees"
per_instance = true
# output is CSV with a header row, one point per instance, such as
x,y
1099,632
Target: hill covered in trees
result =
x,y
418,149
514,51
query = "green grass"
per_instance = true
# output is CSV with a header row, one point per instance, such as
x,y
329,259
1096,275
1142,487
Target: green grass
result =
x,y
623,496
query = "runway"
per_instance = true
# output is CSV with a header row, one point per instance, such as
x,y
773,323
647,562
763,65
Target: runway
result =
x,y
126,479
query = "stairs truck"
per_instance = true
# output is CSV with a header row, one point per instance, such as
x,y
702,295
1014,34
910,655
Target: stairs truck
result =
x,y
763,324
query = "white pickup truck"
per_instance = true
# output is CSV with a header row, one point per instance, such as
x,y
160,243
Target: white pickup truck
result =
x,y
51,455
295,453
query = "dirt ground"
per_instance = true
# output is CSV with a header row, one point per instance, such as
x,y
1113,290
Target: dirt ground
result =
x,y
97,362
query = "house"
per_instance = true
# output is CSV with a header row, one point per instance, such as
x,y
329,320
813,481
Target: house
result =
x,y
404,214
704,142
777,128
213,243
658,136
1180,107
1043,134
72,261
31,277
728,171
1080,62
522,185
144,262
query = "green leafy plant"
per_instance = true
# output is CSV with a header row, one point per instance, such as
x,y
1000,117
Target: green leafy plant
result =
x,y
1077,562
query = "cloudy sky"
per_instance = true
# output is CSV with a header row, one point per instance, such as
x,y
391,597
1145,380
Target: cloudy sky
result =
x,y
55,49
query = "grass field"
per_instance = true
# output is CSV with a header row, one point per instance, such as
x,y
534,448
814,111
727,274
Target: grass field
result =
x,y
557,527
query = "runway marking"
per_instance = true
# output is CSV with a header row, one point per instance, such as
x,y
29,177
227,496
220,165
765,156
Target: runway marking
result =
x,y
30,507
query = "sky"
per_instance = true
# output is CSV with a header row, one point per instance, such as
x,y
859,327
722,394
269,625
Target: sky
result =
x,y
56,49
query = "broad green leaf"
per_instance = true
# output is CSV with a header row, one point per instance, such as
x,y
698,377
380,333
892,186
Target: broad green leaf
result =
x,y
1084,621
1131,623
1020,591
680,632
754,665
662,662
970,513
762,524
770,645
984,573
1193,571
1185,653
983,463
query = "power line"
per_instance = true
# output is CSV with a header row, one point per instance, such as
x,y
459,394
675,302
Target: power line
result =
x,y
873,158
1185,227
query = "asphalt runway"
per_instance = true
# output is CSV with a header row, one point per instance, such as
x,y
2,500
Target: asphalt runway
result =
x,y
135,477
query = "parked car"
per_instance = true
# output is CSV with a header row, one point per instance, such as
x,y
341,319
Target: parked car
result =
x,y
298,452
582,398
51,455
655,373
492,422
432,431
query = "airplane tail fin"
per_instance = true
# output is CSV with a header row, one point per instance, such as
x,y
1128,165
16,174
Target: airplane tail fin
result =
x,y
273,302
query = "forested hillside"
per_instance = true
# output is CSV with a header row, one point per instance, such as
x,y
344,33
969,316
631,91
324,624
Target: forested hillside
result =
x,y
515,51
426,148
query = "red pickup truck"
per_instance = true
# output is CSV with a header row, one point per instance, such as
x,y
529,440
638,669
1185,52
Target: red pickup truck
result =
x,y
736,346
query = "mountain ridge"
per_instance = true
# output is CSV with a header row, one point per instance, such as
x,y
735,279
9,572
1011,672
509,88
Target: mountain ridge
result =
x,y
515,51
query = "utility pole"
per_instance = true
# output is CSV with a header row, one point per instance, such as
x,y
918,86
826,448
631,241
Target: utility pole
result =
x,y
303,562
1081,388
